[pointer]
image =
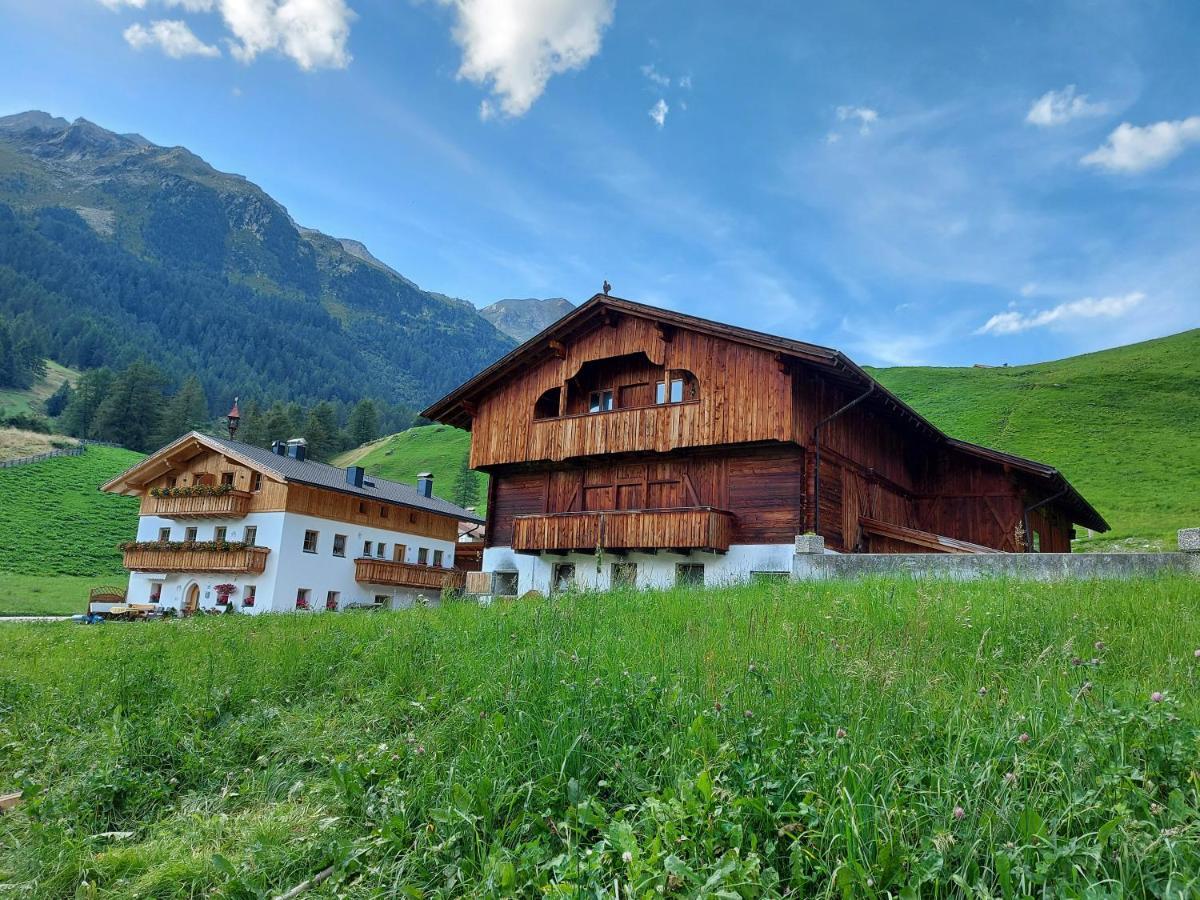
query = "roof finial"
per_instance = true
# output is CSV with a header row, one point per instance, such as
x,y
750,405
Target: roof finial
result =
x,y
233,419
607,287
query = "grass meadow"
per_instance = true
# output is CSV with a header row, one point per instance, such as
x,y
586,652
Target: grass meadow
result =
x,y
883,738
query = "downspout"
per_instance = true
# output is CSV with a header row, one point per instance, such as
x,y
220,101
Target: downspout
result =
x,y
1025,514
816,440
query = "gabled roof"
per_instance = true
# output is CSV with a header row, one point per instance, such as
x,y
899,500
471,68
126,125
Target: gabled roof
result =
x,y
453,408
287,469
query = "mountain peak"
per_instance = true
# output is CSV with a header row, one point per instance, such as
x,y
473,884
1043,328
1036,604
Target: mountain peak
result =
x,y
522,318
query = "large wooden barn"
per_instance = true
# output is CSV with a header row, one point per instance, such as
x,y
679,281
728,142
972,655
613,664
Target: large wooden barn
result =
x,y
631,444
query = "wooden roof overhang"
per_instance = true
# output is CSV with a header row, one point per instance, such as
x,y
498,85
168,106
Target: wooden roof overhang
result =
x,y
458,407
174,458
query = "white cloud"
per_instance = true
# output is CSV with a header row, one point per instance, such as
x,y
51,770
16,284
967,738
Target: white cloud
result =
x,y
174,38
686,82
656,76
312,33
1060,107
1014,322
1132,148
864,115
658,112
516,46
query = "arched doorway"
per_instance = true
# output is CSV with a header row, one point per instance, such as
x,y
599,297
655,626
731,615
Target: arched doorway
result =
x,y
191,599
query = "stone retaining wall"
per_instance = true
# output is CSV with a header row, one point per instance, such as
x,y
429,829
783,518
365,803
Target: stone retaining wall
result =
x,y
810,563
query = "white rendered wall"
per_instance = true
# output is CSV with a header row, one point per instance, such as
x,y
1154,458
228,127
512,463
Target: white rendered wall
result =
x,y
288,567
653,569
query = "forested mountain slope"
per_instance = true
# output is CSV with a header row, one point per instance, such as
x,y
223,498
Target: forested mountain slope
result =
x,y
124,249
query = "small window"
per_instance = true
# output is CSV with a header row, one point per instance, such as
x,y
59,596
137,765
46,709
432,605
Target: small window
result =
x,y
382,599
600,401
366,548
155,591
564,577
339,545
227,478
547,404
423,556
310,541
676,390
331,601
248,595
689,574
381,550
437,557
624,575
250,535
362,507
303,598
398,552
660,392
504,584
256,482
164,534
189,534
383,512
219,533
171,482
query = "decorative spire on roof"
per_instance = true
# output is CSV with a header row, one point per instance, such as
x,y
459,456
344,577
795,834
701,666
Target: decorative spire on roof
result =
x,y
233,419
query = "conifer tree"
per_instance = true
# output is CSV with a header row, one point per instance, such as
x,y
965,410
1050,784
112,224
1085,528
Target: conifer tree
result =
x,y
466,485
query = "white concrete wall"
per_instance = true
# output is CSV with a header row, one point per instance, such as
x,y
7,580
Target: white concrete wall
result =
x,y
653,569
288,567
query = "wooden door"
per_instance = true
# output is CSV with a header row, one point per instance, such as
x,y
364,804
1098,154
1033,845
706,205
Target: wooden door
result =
x,y
398,552
191,600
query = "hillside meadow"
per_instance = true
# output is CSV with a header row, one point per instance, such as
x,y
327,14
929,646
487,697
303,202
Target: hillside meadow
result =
x,y
887,738
61,533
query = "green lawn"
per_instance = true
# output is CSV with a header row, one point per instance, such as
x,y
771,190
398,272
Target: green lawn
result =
x,y
439,449
882,739
56,520
1120,424
49,595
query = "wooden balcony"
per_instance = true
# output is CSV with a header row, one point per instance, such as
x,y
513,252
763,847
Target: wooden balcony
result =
x,y
232,505
409,575
691,528
251,561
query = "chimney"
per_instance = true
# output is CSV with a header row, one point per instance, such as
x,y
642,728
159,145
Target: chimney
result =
x,y
354,476
279,448
425,484
297,448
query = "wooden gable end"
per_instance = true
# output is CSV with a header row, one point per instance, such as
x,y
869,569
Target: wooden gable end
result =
x,y
735,394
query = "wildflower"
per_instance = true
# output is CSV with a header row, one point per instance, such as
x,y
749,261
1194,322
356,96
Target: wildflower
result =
x,y
959,812
1158,697
983,692
1086,688
1076,661
1024,738
1156,809
752,667
749,714
420,748
1095,661
717,705
841,733
626,857
1099,645
1010,777
1196,653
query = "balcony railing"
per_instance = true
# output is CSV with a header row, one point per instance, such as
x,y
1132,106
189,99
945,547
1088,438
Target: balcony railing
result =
x,y
691,528
231,505
410,575
251,560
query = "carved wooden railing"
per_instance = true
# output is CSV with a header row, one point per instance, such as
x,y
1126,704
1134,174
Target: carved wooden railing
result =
x,y
401,574
251,560
691,528
231,505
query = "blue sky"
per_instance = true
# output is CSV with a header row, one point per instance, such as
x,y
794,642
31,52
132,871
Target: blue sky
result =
x,y
941,183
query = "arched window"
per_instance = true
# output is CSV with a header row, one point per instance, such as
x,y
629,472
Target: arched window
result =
x,y
547,404
679,386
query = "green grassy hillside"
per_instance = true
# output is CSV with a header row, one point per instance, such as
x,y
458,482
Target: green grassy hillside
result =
x,y
14,402
439,449
882,739
59,529
1123,425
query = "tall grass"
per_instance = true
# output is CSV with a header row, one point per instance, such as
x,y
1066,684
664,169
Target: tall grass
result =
x,y
789,739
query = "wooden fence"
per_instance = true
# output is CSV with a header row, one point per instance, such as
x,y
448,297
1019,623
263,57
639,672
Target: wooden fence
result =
x,y
51,454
